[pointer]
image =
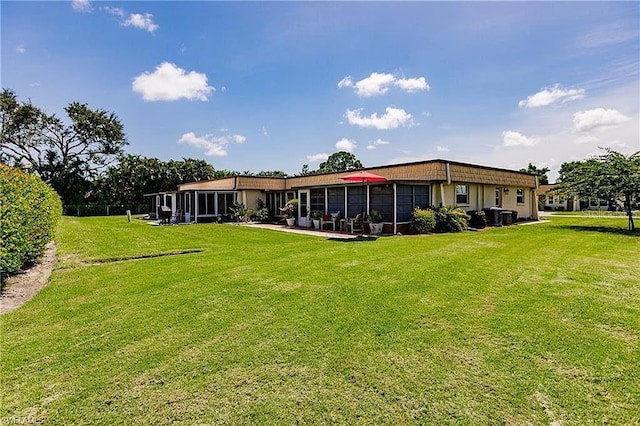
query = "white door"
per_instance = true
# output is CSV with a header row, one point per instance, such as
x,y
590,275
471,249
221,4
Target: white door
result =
x,y
303,207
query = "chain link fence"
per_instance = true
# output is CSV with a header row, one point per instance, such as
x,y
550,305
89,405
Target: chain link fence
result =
x,y
103,210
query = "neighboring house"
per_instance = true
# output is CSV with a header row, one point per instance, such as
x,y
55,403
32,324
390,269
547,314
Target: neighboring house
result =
x,y
409,185
551,199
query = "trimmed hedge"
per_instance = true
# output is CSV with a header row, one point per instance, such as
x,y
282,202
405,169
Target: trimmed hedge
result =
x,y
29,212
439,219
451,219
423,221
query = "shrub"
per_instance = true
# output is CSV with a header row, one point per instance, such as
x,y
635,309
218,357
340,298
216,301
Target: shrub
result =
x,y
263,215
422,220
375,216
450,219
29,212
478,219
239,212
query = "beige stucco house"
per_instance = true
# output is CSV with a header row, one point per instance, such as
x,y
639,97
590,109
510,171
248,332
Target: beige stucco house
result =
x,y
409,185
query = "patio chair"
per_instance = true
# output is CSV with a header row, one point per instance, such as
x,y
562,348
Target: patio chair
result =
x,y
355,223
328,219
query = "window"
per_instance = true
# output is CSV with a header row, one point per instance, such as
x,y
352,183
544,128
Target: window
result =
x,y
317,199
462,194
225,202
520,196
202,203
497,200
335,200
408,198
211,203
355,200
382,200
550,200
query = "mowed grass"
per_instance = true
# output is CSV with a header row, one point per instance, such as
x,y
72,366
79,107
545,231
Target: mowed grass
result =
x,y
519,325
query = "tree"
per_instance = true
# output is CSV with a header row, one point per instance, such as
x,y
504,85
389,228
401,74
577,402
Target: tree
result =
x,y
339,162
272,173
67,156
609,176
540,172
134,175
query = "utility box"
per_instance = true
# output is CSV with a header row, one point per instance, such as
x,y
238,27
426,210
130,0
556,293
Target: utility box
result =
x,y
507,217
494,216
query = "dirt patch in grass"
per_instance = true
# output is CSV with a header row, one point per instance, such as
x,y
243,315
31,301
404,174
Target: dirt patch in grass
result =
x,y
20,288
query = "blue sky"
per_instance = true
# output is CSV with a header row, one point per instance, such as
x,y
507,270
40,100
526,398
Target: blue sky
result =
x,y
275,85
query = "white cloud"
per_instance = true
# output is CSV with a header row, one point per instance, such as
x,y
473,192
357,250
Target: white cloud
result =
x,y
114,11
169,83
550,95
345,82
584,121
412,84
376,143
144,21
608,34
510,138
442,149
317,157
81,5
391,119
264,131
215,145
21,49
375,84
379,84
345,144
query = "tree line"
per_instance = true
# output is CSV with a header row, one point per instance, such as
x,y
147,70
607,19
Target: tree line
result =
x,y
84,158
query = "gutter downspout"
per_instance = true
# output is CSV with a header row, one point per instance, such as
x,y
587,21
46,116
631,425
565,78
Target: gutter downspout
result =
x,y
395,210
534,201
195,203
443,201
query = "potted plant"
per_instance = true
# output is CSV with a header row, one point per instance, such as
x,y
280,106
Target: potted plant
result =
x,y
375,222
316,215
289,211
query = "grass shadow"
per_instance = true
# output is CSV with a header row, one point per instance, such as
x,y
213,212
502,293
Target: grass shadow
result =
x,y
604,229
358,239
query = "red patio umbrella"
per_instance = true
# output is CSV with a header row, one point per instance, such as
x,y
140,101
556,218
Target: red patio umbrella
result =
x,y
363,177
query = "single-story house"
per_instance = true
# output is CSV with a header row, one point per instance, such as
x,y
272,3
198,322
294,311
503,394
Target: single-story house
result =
x,y
552,199
410,185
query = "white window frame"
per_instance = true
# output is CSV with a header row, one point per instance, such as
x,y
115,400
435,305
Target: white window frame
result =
x,y
465,194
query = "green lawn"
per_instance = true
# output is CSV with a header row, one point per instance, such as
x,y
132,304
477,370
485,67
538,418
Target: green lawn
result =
x,y
237,325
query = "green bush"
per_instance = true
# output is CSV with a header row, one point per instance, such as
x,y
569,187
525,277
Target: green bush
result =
x,y
478,219
450,219
29,212
263,215
423,220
